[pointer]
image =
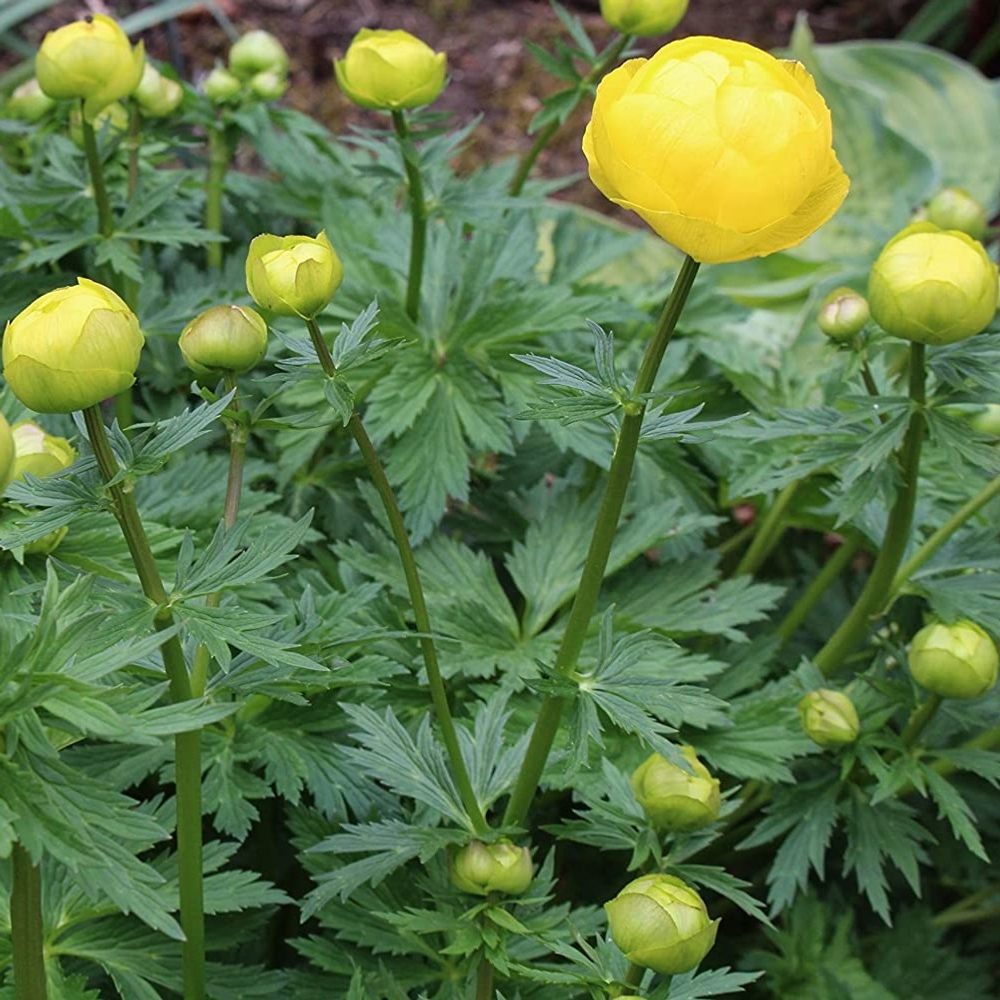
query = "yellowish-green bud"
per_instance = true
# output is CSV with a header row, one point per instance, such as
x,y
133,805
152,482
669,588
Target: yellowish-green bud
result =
x,y
829,718
47,544
221,86
953,208
224,338
28,103
675,799
987,419
258,52
390,70
662,924
71,348
7,453
293,275
90,59
933,286
643,17
39,454
157,95
843,314
954,661
481,868
112,119
268,85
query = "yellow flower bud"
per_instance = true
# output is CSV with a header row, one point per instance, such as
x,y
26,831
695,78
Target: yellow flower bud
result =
x,y
268,85
293,275
224,338
157,95
829,718
481,868
112,119
953,208
643,17
675,799
222,86
71,348
39,454
954,661
7,453
662,924
258,52
843,314
725,151
933,286
390,70
28,103
90,59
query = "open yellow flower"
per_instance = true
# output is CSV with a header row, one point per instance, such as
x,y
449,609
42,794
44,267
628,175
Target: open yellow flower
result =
x,y
725,151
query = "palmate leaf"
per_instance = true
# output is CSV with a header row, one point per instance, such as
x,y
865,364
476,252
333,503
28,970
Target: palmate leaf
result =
x,y
701,985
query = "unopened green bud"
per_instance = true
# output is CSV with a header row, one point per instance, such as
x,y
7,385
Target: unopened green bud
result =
x,y
987,420
157,95
224,338
28,103
258,52
481,868
112,118
7,453
390,70
933,286
221,86
843,314
954,661
829,718
643,17
268,85
293,275
39,454
662,924
953,208
47,544
675,799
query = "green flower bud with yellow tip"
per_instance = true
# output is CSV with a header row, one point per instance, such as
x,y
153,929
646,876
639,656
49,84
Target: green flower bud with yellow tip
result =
x,y
267,85
157,95
953,208
39,454
112,119
954,661
643,17
293,275
224,338
933,286
258,52
662,924
28,103
7,453
829,718
675,799
222,87
390,70
843,314
71,348
481,868
90,59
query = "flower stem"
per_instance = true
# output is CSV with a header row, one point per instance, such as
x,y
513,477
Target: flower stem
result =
x,y
418,213
545,135
585,601
921,716
769,532
27,932
421,618
220,155
105,220
872,598
484,980
187,746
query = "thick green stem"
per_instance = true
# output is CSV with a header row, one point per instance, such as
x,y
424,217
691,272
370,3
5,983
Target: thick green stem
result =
x,y
819,585
421,618
921,716
418,213
484,980
220,155
187,746
27,932
769,533
876,592
105,220
545,135
585,601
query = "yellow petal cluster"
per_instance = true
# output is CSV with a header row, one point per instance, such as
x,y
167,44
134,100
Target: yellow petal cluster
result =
x,y
675,799
71,348
954,661
643,17
157,95
725,151
390,70
37,453
224,338
293,275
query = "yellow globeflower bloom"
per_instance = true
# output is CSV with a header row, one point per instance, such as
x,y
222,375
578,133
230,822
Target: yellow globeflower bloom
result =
x,y
90,59
293,275
390,70
725,151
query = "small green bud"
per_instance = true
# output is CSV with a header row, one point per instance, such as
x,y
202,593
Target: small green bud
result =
x,y
7,453
258,52
843,314
28,103
221,86
953,208
112,118
224,338
933,286
157,95
829,718
481,868
643,17
954,661
293,275
987,419
39,454
268,85
662,924
390,70
47,544
675,799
